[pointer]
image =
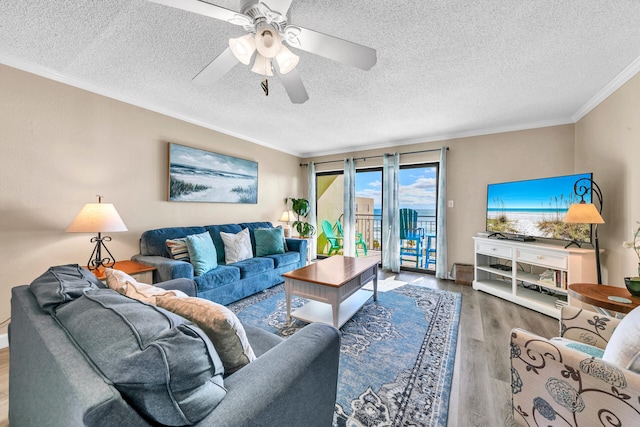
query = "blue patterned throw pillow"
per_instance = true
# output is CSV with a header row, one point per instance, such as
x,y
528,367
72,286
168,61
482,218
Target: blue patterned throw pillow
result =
x,y
269,241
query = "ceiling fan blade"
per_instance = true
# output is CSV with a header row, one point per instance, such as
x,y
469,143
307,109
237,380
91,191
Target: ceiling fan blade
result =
x,y
280,6
207,9
216,68
293,85
331,47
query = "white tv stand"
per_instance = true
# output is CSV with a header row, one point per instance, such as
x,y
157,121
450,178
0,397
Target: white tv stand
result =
x,y
521,282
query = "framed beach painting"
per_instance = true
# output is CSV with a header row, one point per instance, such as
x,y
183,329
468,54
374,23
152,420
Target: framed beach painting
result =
x,y
203,176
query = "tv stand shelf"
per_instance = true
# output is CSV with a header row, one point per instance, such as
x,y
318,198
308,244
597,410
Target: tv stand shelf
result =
x,y
521,283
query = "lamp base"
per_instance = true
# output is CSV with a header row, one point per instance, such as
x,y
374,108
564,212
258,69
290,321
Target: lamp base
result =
x,y
96,260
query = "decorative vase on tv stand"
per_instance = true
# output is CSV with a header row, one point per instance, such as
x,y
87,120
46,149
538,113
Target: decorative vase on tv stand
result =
x,y
302,207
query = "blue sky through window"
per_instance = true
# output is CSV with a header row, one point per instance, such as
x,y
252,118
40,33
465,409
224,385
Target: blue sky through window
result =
x,y
417,187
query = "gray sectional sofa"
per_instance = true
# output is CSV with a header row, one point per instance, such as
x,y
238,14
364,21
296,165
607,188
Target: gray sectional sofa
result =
x,y
228,282
53,381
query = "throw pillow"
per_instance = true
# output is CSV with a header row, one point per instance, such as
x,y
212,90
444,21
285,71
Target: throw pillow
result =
x,y
124,284
624,345
165,367
269,241
202,253
221,326
178,249
237,247
61,284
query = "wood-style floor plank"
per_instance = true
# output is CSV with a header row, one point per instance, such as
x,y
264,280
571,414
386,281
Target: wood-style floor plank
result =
x,y
481,390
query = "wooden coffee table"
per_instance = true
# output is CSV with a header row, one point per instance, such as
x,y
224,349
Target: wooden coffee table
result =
x,y
334,286
598,296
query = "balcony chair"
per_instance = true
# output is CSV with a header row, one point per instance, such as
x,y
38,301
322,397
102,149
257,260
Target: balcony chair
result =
x,y
431,250
589,376
359,240
334,241
411,237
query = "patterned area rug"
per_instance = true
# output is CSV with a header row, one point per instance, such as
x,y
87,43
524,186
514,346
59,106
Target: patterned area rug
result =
x,y
397,354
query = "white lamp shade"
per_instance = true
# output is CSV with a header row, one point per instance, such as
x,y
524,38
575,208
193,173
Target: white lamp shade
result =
x,y
243,48
268,41
583,213
97,218
262,66
287,216
286,60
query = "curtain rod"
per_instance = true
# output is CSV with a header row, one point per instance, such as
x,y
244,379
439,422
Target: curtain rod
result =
x,y
375,157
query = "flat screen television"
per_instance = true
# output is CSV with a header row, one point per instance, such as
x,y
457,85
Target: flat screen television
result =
x,y
535,208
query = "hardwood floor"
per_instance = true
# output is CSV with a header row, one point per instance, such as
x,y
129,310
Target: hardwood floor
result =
x,y
481,390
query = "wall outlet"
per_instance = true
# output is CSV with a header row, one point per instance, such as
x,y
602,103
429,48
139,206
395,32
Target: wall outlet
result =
x,y
450,203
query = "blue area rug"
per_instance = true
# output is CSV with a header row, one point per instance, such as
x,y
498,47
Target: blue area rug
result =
x,y
397,354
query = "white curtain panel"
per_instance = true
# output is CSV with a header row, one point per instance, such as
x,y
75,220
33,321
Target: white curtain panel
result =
x,y
349,225
312,217
390,213
441,232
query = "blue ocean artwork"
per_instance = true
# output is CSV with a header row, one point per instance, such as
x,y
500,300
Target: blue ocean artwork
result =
x,y
203,176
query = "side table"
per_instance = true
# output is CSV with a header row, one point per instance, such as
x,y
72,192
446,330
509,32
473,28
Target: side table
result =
x,y
142,273
599,297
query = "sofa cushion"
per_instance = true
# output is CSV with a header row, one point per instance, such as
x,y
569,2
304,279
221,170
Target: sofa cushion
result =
x,y
164,366
237,247
202,253
623,348
154,242
287,258
222,275
124,284
252,226
61,284
178,249
269,241
251,267
221,326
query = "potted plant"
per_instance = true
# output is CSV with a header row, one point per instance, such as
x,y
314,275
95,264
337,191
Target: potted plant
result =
x,y
301,208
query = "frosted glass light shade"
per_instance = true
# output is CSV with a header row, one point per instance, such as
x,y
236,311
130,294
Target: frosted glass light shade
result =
x,y
583,213
268,41
97,218
286,60
262,66
243,48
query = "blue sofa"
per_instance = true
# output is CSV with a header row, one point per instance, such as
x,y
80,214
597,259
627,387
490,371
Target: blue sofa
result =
x,y
228,282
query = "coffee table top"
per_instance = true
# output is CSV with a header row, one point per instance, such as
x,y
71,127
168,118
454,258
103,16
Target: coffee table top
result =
x,y
598,295
333,271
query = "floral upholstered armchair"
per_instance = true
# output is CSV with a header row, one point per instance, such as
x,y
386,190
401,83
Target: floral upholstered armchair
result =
x,y
589,376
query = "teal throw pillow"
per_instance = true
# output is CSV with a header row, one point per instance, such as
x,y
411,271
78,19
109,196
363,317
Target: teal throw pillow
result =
x,y
269,241
202,253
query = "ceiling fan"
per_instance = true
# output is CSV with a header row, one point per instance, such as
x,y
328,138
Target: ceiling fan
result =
x,y
266,22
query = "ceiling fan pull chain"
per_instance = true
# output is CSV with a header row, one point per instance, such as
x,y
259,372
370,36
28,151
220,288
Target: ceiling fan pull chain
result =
x,y
265,86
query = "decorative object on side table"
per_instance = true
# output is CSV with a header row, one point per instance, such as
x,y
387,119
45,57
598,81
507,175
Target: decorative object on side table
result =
x,y
586,213
302,208
98,218
286,217
633,285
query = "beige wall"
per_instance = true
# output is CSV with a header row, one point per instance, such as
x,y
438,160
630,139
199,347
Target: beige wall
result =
x,y
477,161
61,146
608,143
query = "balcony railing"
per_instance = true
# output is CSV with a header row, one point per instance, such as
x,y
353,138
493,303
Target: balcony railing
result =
x,y
371,228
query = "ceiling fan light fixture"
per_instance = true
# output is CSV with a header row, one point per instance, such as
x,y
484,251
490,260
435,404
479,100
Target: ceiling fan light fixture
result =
x,y
268,42
262,66
286,60
243,48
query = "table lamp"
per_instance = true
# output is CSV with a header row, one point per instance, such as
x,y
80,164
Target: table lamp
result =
x,y
586,213
98,218
286,217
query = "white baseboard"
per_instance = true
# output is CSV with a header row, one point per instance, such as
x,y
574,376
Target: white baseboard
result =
x,y
4,341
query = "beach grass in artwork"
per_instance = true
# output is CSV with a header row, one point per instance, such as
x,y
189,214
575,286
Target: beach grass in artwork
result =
x,y
203,176
535,208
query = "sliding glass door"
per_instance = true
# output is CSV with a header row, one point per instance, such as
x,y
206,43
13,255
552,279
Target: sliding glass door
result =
x,y
418,191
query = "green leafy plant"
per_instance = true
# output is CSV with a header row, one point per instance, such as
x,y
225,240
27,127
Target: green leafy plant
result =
x,y
302,207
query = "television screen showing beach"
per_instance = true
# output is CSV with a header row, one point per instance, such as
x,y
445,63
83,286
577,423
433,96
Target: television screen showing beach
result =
x,y
202,176
536,208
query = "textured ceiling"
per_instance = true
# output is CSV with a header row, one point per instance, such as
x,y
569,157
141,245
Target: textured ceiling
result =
x,y
444,69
